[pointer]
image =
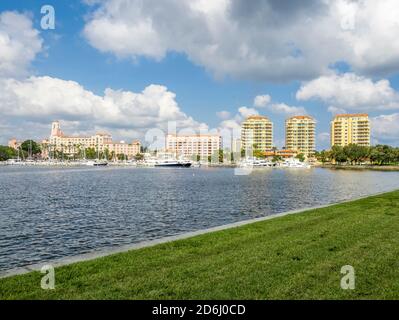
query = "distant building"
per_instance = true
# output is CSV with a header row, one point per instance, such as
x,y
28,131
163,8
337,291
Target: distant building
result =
x,y
189,146
257,131
99,142
300,135
236,145
350,128
284,153
14,144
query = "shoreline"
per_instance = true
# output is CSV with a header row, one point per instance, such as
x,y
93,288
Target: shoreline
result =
x,y
298,256
104,252
357,167
210,165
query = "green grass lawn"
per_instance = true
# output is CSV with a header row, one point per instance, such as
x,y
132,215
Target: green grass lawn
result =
x,y
293,257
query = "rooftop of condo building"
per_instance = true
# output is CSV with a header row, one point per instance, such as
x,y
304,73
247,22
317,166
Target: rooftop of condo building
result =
x,y
351,115
301,117
256,117
182,135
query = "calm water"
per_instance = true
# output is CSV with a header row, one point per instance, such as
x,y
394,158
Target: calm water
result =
x,y
48,213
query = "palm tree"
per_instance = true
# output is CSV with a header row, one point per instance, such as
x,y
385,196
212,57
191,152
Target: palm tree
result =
x,y
62,151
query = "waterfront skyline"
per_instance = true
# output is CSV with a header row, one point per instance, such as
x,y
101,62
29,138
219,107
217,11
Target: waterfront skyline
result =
x,y
106,85
255,130
208,153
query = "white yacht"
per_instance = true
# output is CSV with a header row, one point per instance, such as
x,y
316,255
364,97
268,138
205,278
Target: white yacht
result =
x,y
97,163
13,161
257,163
295,163
173,163
167,159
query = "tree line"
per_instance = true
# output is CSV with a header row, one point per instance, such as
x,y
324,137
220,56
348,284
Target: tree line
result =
x,y
355,154
28,149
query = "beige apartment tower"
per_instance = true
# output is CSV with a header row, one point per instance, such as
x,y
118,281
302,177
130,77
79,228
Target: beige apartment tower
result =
x,y
258,131
300,135
350,128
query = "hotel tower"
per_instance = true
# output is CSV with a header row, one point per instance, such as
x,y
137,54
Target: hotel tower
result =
x,y
300,135
257,130
350,128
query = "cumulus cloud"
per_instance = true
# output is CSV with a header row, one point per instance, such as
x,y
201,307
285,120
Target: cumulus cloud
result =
x,y
262,101
351,91
231,128
385,128
19,44
42,99
233,124
260,40
245,112
265,102
284,109
29,104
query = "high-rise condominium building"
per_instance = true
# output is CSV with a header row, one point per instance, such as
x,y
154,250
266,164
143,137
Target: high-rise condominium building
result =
x,y
350,128
189,146
257,132
300,134
100,142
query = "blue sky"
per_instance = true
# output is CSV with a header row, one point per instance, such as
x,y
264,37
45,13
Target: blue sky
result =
x,y
76,51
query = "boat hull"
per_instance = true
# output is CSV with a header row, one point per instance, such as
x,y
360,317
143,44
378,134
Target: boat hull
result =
x,y
100,164
174,165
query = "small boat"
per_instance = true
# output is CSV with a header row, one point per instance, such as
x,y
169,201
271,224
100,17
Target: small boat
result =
x,y
257,163
295,163
13,161
173,163
97,163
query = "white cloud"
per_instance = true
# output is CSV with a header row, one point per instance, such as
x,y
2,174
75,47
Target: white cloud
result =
x,y
233,125
39,97
29,104
263,40
372,40
385,128
224,115
336,110
231,128
284,109
262,101
246,112
19,44
323,140
42,99
351,91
